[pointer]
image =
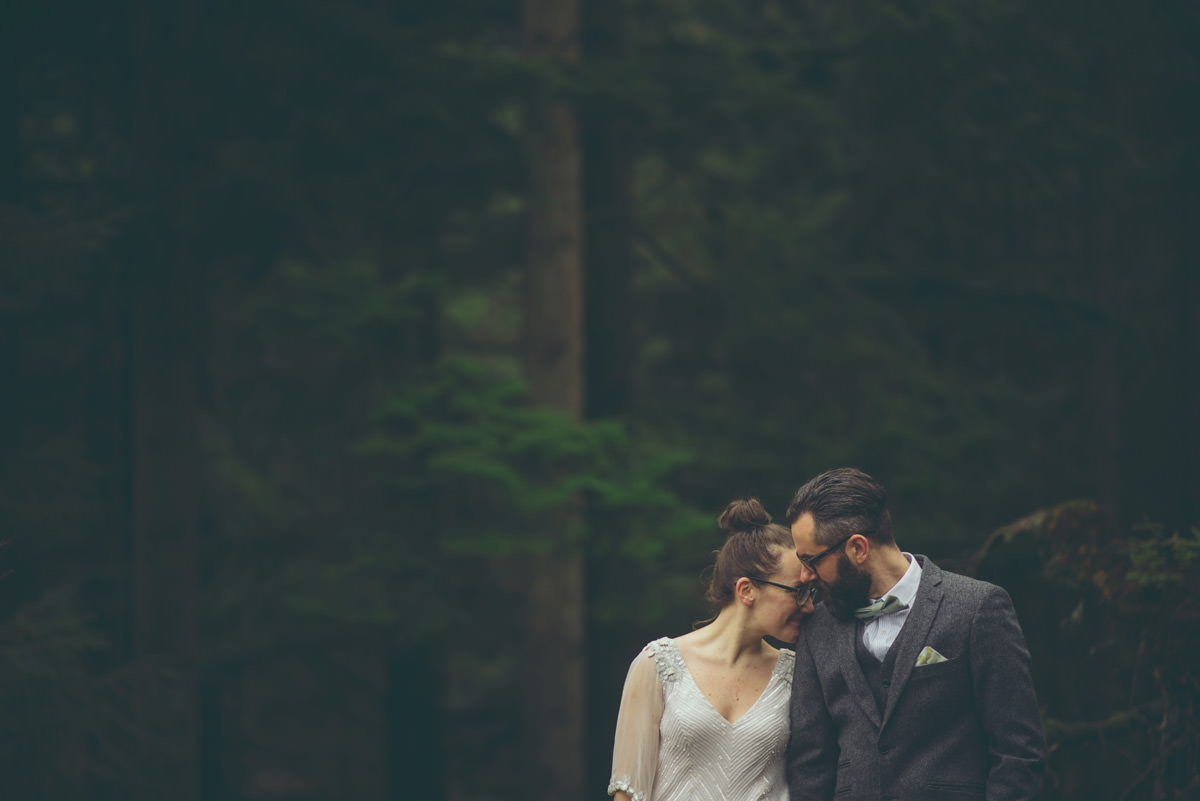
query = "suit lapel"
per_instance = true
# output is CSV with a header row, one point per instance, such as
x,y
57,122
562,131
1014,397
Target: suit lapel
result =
x,y
915,632
856,681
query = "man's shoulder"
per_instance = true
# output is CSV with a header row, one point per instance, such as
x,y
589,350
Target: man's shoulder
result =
x,y
822,619
818,633
955,582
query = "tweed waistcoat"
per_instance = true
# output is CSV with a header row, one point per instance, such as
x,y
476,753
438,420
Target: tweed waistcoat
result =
x,y
878,674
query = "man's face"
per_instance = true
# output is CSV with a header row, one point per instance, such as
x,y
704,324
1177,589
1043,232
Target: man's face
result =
x,y
845,585
850,589
813,557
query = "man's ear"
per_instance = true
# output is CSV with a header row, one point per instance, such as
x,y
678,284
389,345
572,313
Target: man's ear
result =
x,y
745,591
858,548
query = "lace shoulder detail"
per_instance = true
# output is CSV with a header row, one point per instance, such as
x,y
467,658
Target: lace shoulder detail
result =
x,y
786,666
625,785
667,658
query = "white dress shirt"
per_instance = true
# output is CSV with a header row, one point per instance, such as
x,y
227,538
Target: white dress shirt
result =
x,y
879,634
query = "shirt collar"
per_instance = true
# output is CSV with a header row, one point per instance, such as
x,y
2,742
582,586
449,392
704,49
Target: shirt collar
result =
x,y
906,588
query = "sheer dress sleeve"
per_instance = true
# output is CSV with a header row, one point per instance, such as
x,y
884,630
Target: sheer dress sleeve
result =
x,y
635,749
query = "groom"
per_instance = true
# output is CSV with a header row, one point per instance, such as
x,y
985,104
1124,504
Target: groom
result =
x,y
911,682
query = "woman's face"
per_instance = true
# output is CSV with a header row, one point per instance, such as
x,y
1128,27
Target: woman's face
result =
x,y
778,611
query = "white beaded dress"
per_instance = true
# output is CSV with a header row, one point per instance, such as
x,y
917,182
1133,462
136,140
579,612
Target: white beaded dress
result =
x,y
673,745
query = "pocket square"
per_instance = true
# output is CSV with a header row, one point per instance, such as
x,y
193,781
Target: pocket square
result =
x,y
928,656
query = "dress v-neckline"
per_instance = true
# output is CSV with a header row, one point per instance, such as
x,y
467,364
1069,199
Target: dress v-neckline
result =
x,y
709,704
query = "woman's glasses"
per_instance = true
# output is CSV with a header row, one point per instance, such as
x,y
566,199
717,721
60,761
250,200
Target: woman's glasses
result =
x,y
804,593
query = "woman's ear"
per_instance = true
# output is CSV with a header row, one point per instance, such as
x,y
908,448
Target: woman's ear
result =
x,y
744,591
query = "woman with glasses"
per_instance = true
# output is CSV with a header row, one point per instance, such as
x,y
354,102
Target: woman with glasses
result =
x,y
705,715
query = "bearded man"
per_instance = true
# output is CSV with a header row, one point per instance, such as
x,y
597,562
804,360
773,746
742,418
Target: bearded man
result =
x,y
910,682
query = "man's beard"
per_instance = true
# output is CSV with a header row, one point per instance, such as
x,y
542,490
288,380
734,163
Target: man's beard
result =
x,y
850,589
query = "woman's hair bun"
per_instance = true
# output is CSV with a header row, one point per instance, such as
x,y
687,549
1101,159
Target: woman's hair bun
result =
x,y
745,514
754,547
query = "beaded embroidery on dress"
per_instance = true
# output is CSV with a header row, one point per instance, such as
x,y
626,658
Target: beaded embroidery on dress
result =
x,y
682,749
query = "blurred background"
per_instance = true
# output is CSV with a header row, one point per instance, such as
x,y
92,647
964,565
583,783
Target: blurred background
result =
x,y
374,371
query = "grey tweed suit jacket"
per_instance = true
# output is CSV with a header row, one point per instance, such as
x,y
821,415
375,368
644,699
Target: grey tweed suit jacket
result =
x,y
964,729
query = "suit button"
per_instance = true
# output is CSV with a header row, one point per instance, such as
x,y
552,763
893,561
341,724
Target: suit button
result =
x,y
886,683
883,749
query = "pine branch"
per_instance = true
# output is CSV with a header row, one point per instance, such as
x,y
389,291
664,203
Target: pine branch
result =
x,y
1061,731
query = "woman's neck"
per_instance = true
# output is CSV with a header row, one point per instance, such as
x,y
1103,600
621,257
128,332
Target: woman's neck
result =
x,y
728,638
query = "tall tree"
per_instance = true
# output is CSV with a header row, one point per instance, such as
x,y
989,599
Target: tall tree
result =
x,y
608,216
607,139
553,351
165,311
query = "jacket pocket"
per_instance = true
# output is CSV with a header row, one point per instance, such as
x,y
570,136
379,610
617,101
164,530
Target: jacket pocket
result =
x,y
963,789
937,669
843,787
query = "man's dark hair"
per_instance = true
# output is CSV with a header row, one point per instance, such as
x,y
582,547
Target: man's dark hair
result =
x,y
844,501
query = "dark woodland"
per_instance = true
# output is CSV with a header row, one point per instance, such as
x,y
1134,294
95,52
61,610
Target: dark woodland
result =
x,y
373,372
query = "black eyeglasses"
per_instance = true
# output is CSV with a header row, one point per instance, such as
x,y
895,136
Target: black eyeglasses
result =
x,y
811,561
804,593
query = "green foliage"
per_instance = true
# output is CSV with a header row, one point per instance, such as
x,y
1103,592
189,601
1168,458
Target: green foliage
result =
x,y
47,641
1160,562
352,478
1112,628
47,648
467,434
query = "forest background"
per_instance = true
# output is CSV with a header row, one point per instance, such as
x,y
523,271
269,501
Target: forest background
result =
x,y
374,372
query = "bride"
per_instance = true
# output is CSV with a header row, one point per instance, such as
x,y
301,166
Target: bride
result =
x,y
705,716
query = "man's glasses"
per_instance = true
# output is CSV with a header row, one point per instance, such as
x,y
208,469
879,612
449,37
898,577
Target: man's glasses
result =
x,y
804,593
811,561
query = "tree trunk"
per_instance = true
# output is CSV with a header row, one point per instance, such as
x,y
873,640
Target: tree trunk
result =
x,y
165,293
1100,275
608,151
413,710
1187,298
12,53
608,212
165,479
554,672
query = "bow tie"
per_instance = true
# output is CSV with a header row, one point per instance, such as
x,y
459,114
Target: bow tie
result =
x,y
883,606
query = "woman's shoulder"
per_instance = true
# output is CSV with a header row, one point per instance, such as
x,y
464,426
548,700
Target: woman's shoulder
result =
x,y
785,664
667,659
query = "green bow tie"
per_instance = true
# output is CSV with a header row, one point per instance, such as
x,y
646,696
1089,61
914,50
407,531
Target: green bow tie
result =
x,y
881,607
